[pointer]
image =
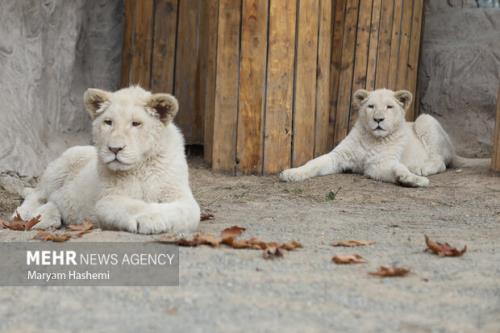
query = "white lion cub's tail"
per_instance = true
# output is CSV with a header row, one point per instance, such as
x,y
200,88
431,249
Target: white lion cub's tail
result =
x,y
463,162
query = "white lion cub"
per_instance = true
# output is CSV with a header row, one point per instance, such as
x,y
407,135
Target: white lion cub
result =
x,y
383,146
135,178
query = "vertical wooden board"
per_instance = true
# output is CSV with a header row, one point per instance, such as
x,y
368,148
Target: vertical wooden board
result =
x,y
305,82
404,47
362,48
346,71
395,43
336,62
252,85
128,34
495,158
371,71
139,71
413,56
384,44
165,34
187,71
208,68
226,93
280,73
323,78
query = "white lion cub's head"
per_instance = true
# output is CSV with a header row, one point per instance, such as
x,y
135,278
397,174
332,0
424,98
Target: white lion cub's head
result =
x,y
382,111
127,124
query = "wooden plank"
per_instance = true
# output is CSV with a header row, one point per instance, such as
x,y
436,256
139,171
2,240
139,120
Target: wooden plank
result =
x,y
187,70
395,43
495,158
139,63
362,48
127,42
336,63
404,47
280,73
371,71
165,34
346,71
226,94
413,56
323,78
208,70
252,86
305,82
384,44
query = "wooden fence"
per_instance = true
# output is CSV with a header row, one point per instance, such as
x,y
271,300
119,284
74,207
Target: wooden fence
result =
x,y
267,84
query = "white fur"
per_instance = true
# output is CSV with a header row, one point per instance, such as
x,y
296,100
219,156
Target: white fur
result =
x,y
144,188
397,152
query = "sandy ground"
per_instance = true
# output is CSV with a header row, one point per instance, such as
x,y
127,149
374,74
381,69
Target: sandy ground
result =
x,y
228,290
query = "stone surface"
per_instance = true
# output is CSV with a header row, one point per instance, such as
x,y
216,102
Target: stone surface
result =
x,y
460,71
50,52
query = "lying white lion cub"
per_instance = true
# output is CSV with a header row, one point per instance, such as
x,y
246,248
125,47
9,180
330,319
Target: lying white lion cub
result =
x,y
134,179
383,146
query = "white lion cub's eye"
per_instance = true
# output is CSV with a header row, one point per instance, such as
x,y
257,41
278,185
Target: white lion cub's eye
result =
x,y
389,106
108,122
136,123
370,106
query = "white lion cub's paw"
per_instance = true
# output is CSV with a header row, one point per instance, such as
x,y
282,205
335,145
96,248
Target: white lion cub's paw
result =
x,y
50,217
153,222
292,175
413,181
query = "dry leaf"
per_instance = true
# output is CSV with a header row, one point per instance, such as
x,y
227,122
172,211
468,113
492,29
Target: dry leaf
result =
x,y
443,249
171,311
348,259
232,232
197,240
52,236
205,216
80,229
272,253
353,243
19,224
291,245
385,271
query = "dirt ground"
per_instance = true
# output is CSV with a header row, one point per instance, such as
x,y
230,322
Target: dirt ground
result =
x,y
228,290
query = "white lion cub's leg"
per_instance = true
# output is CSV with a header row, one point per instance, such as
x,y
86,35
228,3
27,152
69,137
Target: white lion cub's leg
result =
x,y
320,166
32,201
49,216
132,215
398,173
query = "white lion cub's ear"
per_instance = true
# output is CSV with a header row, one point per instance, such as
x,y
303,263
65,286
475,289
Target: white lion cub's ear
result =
x,y
165,106
359,97
404,97
94,99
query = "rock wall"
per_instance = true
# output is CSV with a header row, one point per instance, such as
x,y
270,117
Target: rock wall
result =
x,y
460,71
50,52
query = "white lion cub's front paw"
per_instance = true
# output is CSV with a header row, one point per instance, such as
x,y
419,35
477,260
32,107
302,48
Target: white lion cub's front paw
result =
x,y
413,181
153,222
292,175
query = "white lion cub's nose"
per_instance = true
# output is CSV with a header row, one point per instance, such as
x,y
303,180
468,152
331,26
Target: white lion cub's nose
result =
x,y
115,150
378,120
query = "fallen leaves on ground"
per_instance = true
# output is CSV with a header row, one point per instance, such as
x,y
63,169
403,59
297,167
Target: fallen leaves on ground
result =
x,y
342,259
443,249
75,231
80,229
232,232
50,236
18,224
205,216
228,237
390,271
353,243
